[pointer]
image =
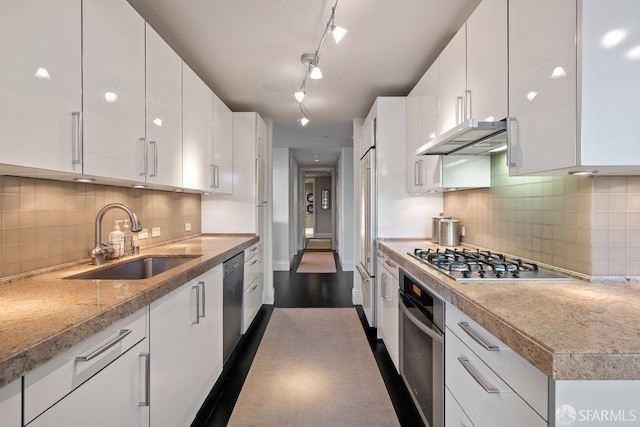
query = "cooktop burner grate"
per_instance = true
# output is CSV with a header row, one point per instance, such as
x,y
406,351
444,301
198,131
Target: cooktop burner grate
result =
x,y
468,265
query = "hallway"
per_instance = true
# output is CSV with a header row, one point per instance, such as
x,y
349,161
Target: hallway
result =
x,y
294,290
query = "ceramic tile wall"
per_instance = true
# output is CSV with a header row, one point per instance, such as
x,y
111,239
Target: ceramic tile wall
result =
x,y
546,219
44,223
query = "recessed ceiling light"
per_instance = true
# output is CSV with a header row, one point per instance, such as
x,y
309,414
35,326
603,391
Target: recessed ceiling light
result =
x,y
43,74
84,179
558,72
531,95
110,97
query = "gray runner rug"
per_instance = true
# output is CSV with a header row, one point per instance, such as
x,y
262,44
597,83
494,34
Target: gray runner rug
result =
x,y
314,367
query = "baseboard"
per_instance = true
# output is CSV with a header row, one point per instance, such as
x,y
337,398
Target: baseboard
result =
x,y
347,265
356,296
281,266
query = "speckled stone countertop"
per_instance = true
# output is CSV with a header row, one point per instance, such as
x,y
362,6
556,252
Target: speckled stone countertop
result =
x,y
44,315
573,330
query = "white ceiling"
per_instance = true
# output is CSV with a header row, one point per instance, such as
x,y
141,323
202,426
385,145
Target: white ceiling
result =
x,y
239,47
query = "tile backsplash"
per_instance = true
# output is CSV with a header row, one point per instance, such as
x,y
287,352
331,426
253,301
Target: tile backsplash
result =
x,y
45,223
590,225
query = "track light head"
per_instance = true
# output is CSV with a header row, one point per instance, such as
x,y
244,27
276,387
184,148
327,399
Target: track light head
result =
x,y
311,60
299,95
338,33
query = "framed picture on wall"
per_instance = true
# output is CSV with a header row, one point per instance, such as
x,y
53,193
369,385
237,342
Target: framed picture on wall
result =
x,y
324,201
310,197
309,208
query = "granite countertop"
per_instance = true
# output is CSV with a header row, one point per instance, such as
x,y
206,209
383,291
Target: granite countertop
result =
x,y
45,314
572,330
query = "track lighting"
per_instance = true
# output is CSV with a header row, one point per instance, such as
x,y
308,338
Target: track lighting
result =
x,y
311,59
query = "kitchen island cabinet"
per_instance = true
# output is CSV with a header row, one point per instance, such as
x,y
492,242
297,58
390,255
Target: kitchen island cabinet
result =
x,y
11,404
186,348
573,88
41,84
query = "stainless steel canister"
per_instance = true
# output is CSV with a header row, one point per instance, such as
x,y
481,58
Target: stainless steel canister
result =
x,y
435,227
449,232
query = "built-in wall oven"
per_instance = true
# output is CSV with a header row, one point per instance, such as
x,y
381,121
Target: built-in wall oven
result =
x,y
422,347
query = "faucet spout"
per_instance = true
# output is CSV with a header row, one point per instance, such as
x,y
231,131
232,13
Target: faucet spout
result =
x,y
98,254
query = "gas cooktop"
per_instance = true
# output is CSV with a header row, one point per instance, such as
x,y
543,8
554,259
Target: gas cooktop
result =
x,y
477,265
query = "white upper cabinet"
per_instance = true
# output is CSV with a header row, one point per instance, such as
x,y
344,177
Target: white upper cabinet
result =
x,y
40,84
487,62
197,132
164,112
113,90
573,86
453,82
222,149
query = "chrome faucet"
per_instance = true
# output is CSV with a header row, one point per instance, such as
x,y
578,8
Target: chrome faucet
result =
x,y
98,254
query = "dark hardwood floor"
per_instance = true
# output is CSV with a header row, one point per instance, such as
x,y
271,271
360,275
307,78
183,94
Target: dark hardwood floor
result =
x,y
300,290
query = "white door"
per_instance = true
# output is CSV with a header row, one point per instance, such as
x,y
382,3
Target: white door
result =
x,y
113,89
453,82
222,157
542,85
487,61
164,112
197,131
186,344
116,396
40,84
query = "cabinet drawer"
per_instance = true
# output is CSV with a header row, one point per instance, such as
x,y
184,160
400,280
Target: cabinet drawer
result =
x,y
521,375
498,406
251,302
390,265
50,382
11,404
454,416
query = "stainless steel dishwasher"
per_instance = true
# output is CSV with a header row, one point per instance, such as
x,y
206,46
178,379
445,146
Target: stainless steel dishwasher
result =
x,y
232,290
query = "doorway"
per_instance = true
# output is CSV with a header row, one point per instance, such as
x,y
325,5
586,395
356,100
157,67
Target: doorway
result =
x,y
317,208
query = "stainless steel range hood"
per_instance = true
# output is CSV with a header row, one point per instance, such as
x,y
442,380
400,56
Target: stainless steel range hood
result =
x,y
471,137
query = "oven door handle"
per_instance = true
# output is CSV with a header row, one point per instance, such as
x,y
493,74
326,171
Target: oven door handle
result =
x,y
363,273
424,328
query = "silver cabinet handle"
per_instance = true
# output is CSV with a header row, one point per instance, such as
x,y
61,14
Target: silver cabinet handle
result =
x,y
386,295
202,299
255,248
216,176
253,262
420,174
197,289
106,345
144,156
145,379
211,178
512,134
390,264
467,105
77,142
477,338
252,288
477,376
380,255
416,174
459,107
155,158
363,274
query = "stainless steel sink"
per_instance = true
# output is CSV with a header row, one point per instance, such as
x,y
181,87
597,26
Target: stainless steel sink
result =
x,y
141,268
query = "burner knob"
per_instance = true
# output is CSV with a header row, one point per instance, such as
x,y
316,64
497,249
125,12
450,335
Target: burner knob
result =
x,y
465,274
481,273
515,275
417,250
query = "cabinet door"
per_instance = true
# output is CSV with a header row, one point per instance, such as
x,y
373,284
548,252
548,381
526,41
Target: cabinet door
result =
x,y
164,112
11,404
542,96
390,315
113,89
40,84
222,153
116,396
261,163
454,416
487,61
186,343
453,82
413,139
197,132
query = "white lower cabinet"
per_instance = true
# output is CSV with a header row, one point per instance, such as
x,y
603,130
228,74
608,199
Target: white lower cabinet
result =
x,y
388,319
492,384
11,404
453,413
186,348
101,382
253,285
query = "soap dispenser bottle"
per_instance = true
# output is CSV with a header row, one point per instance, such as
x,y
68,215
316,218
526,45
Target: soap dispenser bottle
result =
x,y
116,239
128,238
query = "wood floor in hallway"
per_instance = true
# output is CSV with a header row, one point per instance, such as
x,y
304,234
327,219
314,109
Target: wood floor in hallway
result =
x,y
295,290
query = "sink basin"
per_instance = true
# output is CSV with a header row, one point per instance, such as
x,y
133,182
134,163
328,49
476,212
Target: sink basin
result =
x,y
140,268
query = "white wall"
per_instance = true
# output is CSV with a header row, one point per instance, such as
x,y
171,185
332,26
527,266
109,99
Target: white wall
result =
x,y
281,210
346,221
294,197
356,292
